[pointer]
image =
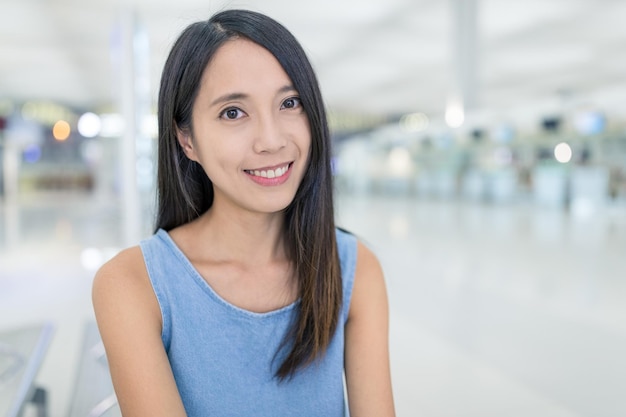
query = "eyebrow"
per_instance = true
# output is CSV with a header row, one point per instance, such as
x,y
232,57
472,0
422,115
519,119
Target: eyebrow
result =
x,y
228,97
240,96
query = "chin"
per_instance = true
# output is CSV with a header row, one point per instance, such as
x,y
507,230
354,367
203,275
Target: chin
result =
x,y
275,205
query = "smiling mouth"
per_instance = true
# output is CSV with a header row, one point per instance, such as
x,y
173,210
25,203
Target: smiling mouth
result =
x,y
269,173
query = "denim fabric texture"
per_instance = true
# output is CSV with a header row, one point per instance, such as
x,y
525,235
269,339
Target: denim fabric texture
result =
x,y
224,357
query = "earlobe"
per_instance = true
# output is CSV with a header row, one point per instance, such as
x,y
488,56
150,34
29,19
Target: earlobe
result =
x,y
186,143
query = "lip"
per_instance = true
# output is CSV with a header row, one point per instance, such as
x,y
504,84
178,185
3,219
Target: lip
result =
x,y
266,181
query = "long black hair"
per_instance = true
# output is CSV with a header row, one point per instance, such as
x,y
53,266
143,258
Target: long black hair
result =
x,y
185,191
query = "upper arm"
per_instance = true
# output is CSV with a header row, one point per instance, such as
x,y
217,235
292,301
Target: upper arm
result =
x,y
129,321
368,377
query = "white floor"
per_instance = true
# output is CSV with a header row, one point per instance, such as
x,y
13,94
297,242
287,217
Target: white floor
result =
x,y
495,310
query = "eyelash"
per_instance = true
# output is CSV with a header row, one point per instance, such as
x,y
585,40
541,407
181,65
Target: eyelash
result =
x,y
297,104
296,99
229,109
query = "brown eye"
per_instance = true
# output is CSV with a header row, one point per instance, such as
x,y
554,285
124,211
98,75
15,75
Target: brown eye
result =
x,y
232,113
291,103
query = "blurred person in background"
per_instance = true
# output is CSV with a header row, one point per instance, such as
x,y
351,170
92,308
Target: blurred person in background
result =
x,y
247,300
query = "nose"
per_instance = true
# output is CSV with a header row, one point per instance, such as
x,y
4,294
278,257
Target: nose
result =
x,y
269,135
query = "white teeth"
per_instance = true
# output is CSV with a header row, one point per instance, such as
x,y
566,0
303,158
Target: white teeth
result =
x,y
270,173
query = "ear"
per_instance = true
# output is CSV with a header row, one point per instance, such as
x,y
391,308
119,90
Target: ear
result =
x,y
185,140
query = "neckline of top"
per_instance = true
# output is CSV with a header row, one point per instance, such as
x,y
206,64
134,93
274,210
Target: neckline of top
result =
x,y
167,239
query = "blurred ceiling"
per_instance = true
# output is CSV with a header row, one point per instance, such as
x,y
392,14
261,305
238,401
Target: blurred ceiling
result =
x,y
372,56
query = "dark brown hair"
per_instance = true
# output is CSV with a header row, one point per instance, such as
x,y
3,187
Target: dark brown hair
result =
x,y
185,192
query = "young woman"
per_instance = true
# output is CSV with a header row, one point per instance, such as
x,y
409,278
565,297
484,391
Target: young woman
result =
x,y
247,301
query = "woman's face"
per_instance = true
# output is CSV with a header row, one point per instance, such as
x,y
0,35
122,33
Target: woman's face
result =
x,y
250,132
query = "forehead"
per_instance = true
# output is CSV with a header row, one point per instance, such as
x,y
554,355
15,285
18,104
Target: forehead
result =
x,y
242,64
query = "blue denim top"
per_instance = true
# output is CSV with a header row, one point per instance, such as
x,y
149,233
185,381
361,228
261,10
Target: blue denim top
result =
x,y
224,358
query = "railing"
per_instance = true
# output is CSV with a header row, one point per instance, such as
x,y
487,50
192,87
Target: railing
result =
x,y
22,352
93,394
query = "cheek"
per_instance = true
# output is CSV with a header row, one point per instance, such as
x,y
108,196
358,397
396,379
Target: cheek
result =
x,y
308,143
220,156
304,136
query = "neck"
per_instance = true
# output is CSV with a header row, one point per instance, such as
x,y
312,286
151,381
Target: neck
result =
x,y
247,237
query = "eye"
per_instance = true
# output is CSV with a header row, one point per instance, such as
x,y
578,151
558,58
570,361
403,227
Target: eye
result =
x,y
291,103
232,113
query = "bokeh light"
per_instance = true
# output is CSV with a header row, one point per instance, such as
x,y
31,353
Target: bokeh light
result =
x,y
89,125
32,153
455,115
415,122
91,258
61,130
563,152
400,162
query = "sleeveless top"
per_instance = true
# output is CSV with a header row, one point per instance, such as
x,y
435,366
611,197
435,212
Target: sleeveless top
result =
x,y
224,358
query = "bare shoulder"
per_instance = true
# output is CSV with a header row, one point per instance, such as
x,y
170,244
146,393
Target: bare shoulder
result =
x,y
122,285
369,282
126,269
130,324
128,260
367,261
368,376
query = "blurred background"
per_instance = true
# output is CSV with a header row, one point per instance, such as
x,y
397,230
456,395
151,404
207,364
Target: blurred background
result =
x,y
480,151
